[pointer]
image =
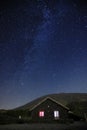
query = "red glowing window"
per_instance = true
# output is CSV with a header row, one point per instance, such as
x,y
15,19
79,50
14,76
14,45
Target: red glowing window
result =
x,y
41,113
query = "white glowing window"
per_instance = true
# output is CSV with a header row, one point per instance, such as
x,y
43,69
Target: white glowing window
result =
x,y
41,113
56,114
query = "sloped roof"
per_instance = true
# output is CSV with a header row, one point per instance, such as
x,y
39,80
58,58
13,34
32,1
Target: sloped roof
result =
x,y
46,98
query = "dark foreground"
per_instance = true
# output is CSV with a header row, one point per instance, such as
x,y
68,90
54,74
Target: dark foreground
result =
x,y
74,126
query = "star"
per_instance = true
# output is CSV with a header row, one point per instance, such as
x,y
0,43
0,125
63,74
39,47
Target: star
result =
x,y
43,49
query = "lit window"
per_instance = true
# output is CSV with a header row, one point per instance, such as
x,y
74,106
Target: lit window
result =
x,y
56,114
41,114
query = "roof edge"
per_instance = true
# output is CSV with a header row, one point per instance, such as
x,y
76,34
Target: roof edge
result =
x,y
45,100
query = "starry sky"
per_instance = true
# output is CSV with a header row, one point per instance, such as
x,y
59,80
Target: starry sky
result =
x,y
43,49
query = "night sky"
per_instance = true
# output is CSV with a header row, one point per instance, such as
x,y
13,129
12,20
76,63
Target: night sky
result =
x,y
43,49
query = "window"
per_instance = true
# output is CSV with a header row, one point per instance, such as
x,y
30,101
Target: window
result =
x,y
41,113
56,114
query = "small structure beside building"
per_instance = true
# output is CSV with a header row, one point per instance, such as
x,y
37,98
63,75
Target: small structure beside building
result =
x,y
49,109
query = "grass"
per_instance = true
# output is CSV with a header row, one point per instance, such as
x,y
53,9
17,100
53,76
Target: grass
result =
x,y
43,126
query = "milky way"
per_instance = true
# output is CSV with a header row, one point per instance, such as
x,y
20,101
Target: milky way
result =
x,y
43,49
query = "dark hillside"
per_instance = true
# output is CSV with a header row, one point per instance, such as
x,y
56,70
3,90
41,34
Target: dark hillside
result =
x,y
76,102
63,98
79,108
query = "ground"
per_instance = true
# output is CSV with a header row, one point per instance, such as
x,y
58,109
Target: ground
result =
x,y
74,126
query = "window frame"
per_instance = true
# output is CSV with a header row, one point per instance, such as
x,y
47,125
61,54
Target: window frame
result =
x,y
56,114
41,114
